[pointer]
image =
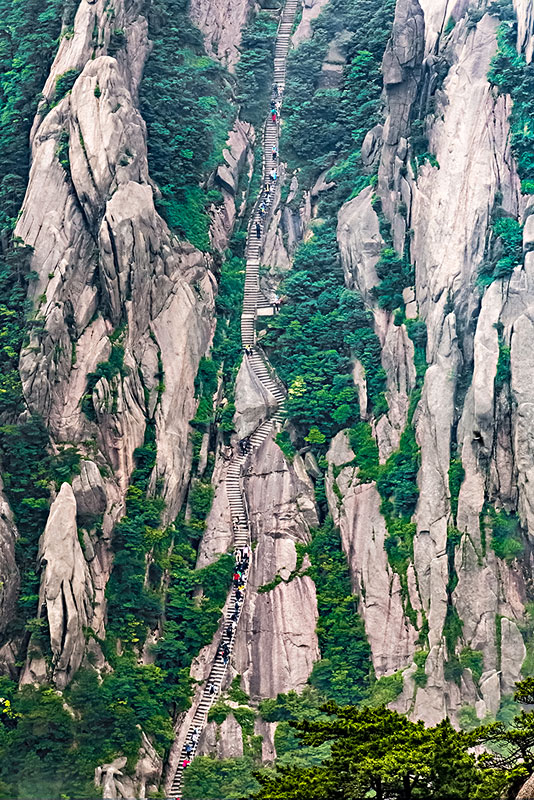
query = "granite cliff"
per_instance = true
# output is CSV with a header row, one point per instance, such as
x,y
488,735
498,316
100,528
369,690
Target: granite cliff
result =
x,y
427,205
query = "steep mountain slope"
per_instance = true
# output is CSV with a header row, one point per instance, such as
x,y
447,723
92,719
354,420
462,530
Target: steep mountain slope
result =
x,y
390,515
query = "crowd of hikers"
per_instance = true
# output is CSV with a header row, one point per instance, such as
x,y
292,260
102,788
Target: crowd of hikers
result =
x,y
242,554
242,562
269,185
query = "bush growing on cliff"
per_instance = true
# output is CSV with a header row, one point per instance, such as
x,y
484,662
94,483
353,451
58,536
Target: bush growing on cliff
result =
x,y
506,538
512,75
344,672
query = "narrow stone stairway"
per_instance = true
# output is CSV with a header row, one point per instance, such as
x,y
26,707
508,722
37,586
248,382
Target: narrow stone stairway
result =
x,y
234,486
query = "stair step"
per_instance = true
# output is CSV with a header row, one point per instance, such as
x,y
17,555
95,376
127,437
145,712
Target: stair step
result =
x,y
252,298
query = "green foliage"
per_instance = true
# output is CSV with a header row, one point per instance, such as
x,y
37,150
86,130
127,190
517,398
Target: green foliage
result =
x,y
236,693
38,746
527,630
30,31
254,70
420,677
117,41
468,719
29,470
283,440
365,450
452,629
320,327
379,753
14,309
456,477
395,273
322,124
295,707
64,84
62,153
219,779
110,369
473,660
385,690
512,75
416,329
219,711
191,619
200,500
111,712
397,483
507,541
504,370
132,604
344,671
185,101
225,355
505,250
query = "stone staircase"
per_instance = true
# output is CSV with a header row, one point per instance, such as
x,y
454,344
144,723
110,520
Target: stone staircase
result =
x,y
234,487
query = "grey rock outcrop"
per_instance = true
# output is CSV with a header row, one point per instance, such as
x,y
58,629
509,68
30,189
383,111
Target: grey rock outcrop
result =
x,y
401,68
225,740
66,590
253,402
116,785
310,11
525,28
9,573
360,243
163,289
221,22
89,491
276,644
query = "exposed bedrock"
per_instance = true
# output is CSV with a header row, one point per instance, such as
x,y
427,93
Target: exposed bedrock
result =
x,y
66,594
276,643
221,22
449,208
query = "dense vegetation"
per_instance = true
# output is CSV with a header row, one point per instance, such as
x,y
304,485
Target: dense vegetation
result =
x,y
379,753
344,673
322,326
512,75
255,68
28,42
327,125
313,338
185,101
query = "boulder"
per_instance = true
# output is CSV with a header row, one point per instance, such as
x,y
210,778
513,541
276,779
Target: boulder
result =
x,y
89,491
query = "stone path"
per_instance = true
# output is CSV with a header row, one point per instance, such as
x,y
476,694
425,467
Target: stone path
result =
x,y
234,486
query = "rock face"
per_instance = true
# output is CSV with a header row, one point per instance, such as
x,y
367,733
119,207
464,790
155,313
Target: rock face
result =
x,y
116,785
401,68
66,590
448,206
9,573
221,22
111,279
363,531
276,644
